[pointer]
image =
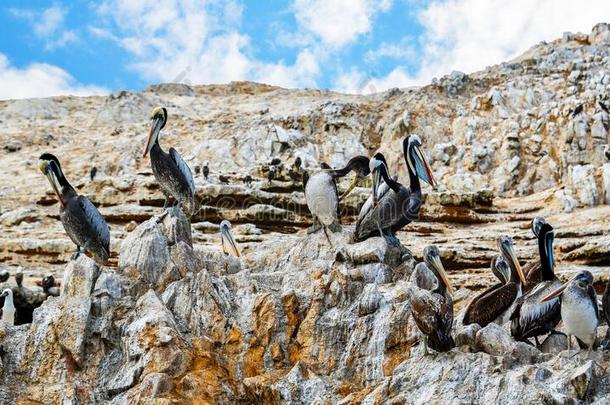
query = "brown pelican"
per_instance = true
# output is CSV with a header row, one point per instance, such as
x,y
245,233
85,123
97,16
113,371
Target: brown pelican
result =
x,y
494,302
229,247
531,318
433,310
8,309
321,193
170,170
395,205
578,308
533,270
423,277
82,221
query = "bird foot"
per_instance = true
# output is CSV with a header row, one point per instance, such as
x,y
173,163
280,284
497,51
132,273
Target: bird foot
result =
x,y
391,241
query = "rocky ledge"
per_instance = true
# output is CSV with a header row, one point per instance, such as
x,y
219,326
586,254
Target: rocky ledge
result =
x,y
295,321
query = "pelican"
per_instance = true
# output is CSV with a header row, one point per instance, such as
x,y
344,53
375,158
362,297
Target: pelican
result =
x,y
496,301
578,308
82,221
8,309
433,310
423,277
531,318
170,170
321,193
394,206
229,247
47,282
533,270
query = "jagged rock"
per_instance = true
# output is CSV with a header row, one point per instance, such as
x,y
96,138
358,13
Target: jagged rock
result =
x,y
18,216
374,250
494,339
466,335
554,343
582,379
79,278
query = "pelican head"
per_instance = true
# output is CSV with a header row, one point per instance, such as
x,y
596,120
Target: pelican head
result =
x,y
432,259
158,118
228,243
582,281
505,244
359,164
378,167
50,167
537,223
500,269
417,161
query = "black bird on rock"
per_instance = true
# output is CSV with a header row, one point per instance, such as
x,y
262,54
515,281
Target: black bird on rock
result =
x,y
206,169
82,221
170,170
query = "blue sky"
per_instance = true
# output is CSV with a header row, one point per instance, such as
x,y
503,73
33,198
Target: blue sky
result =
x,y
357,46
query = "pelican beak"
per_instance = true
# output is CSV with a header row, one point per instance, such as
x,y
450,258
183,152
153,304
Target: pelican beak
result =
x,y
45,168
422,168
350,188
228,243
510,249
376,182
153,134
438,265
555,293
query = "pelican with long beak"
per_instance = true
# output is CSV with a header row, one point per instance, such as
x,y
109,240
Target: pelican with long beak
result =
x,y
530,318
322,197
170,170
394,206
495,302
8,309
433,310
578,308
81,220
229,247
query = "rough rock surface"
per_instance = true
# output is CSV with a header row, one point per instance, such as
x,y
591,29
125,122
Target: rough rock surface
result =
x,y
296,320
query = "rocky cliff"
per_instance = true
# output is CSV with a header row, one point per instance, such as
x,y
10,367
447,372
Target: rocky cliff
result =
x,y
295,319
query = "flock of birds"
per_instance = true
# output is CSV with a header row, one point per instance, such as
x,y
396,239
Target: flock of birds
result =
x,y
534,301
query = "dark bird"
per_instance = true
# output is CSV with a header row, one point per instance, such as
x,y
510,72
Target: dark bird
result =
x,y
19,278
606,303
496,301
4,276
223,179
197,170
531,318
296,172
322,197
248,180
275,162
229,247
47,282
533,269
602,106
578,308
92,173
271,173
607,152
170,170
391,206
82,221
433,310
579,108
206,169
297,163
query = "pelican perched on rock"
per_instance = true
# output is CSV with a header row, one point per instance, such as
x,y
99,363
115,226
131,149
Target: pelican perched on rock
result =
x,y
82,221
578,308
8,309
533,270
433,310
229,246
321,193
494,302
206,169
531,318
170,170
393,205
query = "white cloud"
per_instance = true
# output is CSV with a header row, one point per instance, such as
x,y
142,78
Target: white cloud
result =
x,y
48,25
196,42
39,80
338,22
468,35
403,51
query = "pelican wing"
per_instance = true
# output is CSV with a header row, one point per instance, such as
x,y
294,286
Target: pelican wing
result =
x,y
96,221
489,305
606,302
593,298
533,274
425,308
183,167
392,212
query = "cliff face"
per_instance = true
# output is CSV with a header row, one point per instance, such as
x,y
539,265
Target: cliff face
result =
x,y
298,320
